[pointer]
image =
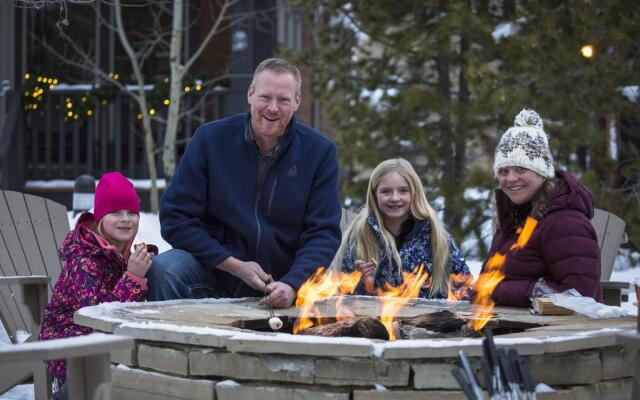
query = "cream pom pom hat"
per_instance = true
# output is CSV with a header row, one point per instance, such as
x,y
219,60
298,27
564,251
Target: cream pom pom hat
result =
x,y
526,145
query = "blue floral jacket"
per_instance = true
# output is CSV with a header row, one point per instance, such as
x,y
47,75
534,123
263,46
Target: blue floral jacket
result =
x,y
415,250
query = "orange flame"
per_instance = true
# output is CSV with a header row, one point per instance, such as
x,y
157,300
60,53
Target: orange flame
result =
x,y
525,234
394,298
459,286
318,287
324,284
488,280
484,286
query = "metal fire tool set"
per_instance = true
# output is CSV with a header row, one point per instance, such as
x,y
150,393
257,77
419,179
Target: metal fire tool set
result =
x,y
505,373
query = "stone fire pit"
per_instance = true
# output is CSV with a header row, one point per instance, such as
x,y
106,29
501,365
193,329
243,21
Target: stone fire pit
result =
x,y
202,349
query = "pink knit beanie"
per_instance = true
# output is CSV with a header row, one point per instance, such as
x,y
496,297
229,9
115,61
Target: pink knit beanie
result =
x,y
114,192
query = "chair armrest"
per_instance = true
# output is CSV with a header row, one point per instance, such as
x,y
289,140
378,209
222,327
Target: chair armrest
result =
x,y
25,280
88,361
35,295
72,347
614,285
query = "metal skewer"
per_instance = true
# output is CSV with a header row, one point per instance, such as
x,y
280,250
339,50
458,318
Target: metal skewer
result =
x,y
271,313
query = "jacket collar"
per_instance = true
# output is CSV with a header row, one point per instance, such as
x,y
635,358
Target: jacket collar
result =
x,y
283,141
418,227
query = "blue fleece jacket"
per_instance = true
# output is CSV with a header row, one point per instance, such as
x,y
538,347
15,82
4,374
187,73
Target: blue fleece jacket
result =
x,y
289,223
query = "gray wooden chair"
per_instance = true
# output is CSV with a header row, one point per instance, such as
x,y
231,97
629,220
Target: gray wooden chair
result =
x,y
347,218
88,361
31,230
611,234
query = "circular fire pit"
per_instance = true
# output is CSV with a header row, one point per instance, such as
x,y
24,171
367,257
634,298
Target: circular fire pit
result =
x,y
223,349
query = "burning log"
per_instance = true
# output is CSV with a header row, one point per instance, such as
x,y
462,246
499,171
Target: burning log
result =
x,y
425,326
440,321
413,332
365,327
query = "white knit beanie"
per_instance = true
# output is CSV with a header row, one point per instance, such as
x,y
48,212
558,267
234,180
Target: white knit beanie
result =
x,y
525,145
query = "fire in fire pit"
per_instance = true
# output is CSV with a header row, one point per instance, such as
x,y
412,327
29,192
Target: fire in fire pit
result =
x,y
421,319
324,284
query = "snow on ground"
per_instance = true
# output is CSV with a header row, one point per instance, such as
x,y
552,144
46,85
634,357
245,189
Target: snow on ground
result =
x,y
149,232
68,184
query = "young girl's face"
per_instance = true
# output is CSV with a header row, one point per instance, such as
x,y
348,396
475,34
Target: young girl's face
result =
x,y
120,227
393,197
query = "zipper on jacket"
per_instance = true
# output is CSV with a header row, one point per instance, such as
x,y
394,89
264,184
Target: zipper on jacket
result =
x,y
255,212
273,191
259,196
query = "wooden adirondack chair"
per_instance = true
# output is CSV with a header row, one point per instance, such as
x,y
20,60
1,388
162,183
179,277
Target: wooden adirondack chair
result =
x,y
611,234
347,218
88,361
31,230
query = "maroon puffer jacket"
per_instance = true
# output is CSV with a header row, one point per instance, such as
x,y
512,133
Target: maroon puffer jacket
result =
x,y
563,249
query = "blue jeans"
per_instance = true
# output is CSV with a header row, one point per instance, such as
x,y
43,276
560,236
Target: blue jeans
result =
x,y
176,274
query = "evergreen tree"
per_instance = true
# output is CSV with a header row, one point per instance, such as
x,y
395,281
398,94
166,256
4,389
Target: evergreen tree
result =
x,y
394,76
580,97
427,81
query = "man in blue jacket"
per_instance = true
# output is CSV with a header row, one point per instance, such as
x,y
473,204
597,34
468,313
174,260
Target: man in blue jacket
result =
x,y
253,208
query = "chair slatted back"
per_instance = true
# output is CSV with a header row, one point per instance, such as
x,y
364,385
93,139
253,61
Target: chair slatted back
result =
x,y
610,231
31,230
345,220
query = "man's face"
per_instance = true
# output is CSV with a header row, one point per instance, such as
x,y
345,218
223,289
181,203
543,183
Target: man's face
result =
x,y
273,101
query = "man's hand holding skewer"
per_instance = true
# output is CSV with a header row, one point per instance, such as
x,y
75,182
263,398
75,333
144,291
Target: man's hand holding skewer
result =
x,y
278,295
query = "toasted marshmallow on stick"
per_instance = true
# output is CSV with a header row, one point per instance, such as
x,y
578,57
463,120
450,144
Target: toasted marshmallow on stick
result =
x,y
275,323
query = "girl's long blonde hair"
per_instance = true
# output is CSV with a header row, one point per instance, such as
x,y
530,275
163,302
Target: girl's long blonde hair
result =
x,y
366,243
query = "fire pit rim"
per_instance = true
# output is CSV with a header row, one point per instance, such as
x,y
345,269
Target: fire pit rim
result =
x,y
101,317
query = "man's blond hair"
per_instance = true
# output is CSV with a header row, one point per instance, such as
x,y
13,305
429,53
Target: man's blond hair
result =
x,y
278,66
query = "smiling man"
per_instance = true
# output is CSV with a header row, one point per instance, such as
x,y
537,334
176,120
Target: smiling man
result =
x,y
252,209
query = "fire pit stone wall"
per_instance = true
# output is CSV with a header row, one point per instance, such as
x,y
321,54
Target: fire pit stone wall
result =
x,y
191,350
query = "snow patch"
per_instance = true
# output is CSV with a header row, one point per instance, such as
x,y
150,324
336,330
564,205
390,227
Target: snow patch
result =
x,y
380,388
228,383
507,29
630,92
68,184
145,312
22,336
378,350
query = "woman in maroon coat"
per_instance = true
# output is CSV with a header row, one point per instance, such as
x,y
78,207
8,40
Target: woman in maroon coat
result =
x,y
563,248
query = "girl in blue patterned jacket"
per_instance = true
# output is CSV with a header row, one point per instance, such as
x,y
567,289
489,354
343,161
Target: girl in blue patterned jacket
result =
x,y
398,230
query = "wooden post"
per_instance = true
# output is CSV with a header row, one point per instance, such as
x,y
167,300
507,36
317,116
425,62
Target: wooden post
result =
x,y
89,377
35,296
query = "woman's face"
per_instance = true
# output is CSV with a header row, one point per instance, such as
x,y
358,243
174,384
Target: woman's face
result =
x,y
519,184
120,227
393,197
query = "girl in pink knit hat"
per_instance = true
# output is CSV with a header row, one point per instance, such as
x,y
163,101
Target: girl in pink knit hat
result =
x,y
99,266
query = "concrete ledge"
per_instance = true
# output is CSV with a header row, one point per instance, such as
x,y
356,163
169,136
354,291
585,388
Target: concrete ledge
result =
x,y
229,390
164,359
298,344
408,395
346,372
579,368
240,366
434,376
134,384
